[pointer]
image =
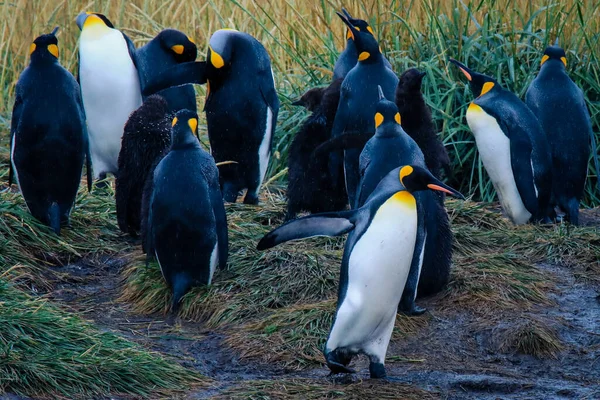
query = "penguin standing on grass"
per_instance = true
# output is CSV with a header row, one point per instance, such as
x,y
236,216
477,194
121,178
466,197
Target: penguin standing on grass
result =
x,y
241,108
170,47
380,251
513,148
110,87
560,107
187,224
146,138
358,99
48,136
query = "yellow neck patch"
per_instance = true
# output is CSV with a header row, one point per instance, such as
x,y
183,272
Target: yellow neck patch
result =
x,y
474,108
349,34
405,198
564,60
215,59
378,119
405,171
53,49
370,30
31,48
190,39
193,124
398,119
178,49
486,88
174,121
93,21
363,56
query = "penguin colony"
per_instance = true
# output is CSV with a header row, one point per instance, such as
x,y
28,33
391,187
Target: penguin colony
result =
x,y
367,162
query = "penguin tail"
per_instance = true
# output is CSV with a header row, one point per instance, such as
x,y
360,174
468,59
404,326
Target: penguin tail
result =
x,y
54,217
181,285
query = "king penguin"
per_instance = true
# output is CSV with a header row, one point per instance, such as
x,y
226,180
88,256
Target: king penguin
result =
x,y
378,255
560,107
187,224
48,135
241,107
170,47
358,99
349,57
513,148
110,87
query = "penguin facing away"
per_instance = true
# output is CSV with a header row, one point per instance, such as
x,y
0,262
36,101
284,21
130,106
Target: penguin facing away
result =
x,y
513,148
187,224
560,107
358,99
169,48
349,56
379,252
310,187
241,107
146,138
418,122
48,135
110,87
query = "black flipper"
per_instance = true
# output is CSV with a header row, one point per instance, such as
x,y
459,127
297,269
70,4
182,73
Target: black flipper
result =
x,y
180,74
16,117
324,224
520,160
268,92
88,157
595,154
132,54
221,219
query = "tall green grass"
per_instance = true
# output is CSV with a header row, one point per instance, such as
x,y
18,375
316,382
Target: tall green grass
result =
x,y
504,39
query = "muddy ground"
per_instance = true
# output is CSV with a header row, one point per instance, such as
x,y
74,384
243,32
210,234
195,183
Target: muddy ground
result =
x,y
453,357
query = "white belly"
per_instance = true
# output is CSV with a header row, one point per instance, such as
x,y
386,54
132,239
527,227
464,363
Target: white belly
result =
x,y
214,261
494,150
377,272
111,92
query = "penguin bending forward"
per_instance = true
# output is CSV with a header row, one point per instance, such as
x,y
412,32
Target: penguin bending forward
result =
x,y
241,107
379,252
146,138
170,47
48,138
560,107
513,148
187,224
110,87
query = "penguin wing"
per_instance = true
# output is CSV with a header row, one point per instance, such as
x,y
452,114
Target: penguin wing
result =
x,y
180,74
324,224
14,122
522,168
267,89
218,207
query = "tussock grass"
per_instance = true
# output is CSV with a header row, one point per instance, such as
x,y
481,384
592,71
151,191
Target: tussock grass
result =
x,y
502,38
278,305
48,353
306,389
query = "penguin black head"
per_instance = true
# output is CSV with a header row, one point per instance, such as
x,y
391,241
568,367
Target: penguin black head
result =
x,y
367,46
311,99
45,47
554,53
87,20
480,84
415,178
386,111
359,24
410,81
182,47
185,126
220,49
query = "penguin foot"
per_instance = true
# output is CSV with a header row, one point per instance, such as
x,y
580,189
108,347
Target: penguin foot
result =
x,y
413,311
251,198
377,371
337,367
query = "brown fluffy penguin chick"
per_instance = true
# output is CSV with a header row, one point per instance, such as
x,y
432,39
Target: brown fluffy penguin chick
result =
x,y
312,98
147,135
418,122
310,187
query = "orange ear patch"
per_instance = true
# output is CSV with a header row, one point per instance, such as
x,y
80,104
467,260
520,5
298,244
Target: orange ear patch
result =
x,y
378,119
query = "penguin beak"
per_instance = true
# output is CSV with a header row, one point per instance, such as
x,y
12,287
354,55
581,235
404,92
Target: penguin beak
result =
x,y
421,75
346,13
442,187
468,73
353,30
81,20
53,33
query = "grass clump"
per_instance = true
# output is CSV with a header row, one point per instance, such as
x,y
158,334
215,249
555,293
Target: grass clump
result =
x,y
527,335
307,389
47,353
